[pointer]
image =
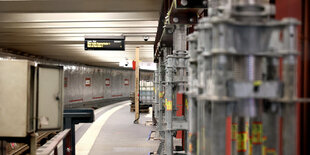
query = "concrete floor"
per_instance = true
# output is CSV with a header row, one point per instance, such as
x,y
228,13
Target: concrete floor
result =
x,y
118,135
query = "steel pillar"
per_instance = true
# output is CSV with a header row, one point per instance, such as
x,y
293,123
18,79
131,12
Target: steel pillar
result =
x,y
192,95
169,106
290,90
161,109
156,94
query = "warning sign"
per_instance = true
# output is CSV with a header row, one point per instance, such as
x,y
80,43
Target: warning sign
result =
x,y
87,82
107,82
65,82
126,82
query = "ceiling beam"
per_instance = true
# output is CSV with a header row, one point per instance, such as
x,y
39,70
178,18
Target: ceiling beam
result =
x,y
61,40
56,43
80,6
70,46
115,24
78,17
17,35
81,30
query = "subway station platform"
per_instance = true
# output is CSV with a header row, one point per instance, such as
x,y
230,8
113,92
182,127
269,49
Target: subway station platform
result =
x,y
114,133
218,77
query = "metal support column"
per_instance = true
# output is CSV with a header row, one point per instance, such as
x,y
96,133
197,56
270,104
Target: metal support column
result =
x,y
271,127
289,113
156,104
192,94
161,94
169,106
161,109
33,143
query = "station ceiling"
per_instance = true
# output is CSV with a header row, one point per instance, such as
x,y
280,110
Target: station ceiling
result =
x,y
56,28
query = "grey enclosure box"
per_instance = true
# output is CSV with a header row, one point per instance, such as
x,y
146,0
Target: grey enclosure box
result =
x,y
17,98
31,98
49,97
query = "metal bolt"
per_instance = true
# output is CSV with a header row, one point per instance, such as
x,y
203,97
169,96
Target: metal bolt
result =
x,y
175,19
184,2
191,19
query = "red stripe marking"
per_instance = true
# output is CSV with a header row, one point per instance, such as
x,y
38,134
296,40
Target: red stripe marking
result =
x,y
76,100
98,97
117,95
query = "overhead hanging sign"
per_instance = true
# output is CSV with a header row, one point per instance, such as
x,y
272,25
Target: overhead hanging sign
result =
x,y
105,43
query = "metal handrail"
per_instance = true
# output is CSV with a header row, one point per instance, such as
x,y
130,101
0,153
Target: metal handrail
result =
x,y
51,145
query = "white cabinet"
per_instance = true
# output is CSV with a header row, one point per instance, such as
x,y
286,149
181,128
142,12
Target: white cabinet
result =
x,y
17,98
31,98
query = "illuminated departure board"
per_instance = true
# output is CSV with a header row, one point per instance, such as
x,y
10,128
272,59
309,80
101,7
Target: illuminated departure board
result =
x,y
104,44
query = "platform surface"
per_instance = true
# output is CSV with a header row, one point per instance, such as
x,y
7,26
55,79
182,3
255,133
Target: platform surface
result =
x,y
114,133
